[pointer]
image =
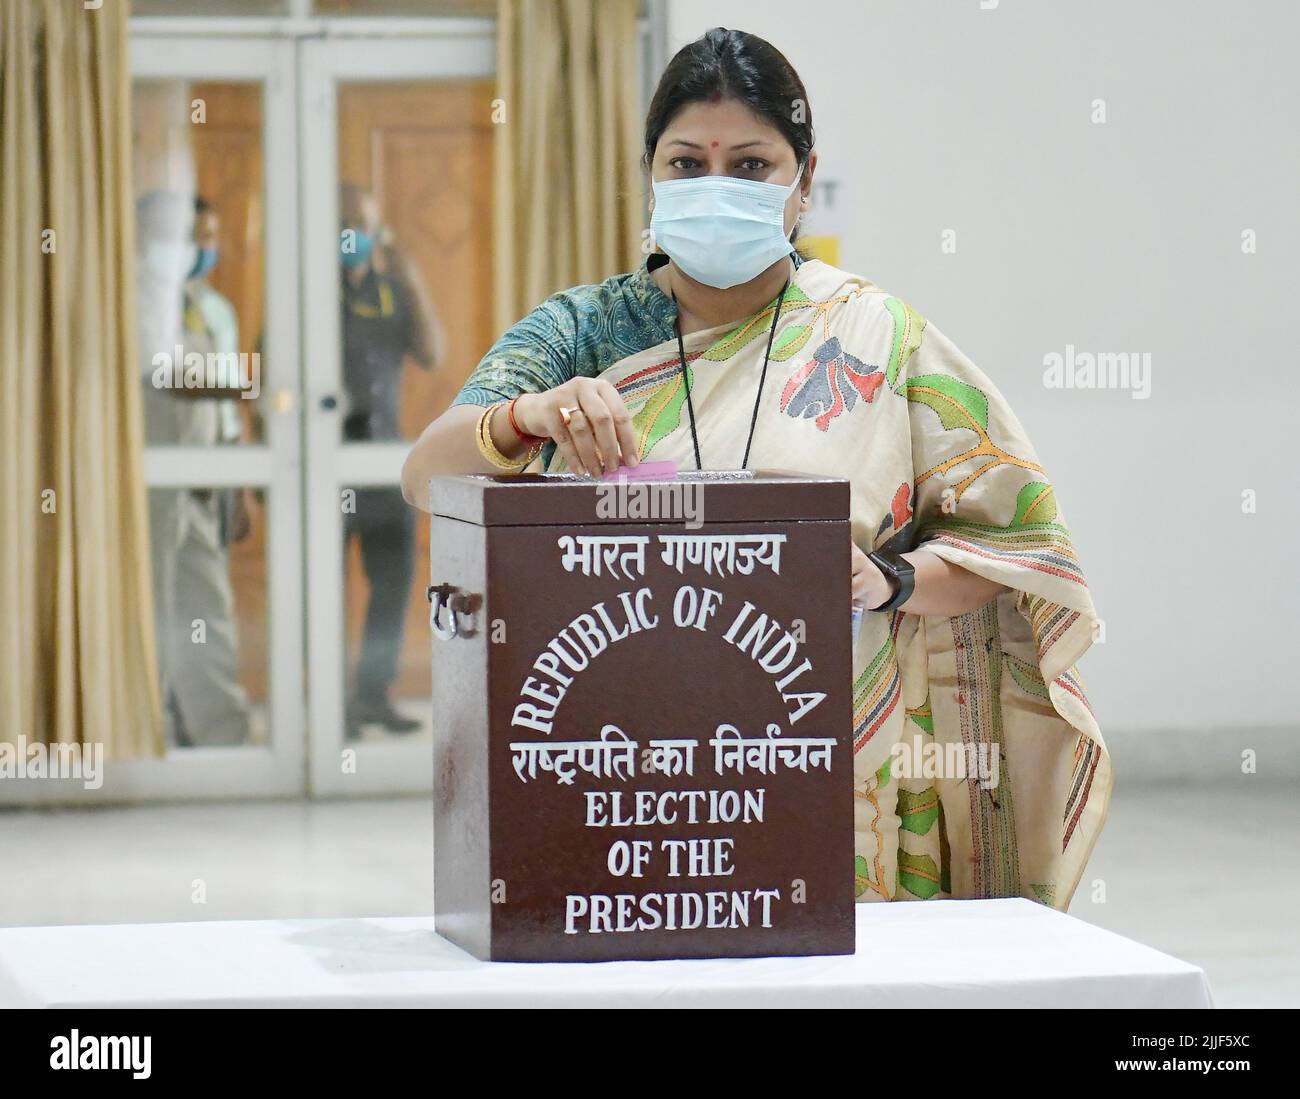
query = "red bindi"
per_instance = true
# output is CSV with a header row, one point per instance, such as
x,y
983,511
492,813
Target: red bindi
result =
x,y
714,145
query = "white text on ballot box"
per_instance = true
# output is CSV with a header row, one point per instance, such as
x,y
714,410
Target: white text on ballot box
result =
x,y
642,716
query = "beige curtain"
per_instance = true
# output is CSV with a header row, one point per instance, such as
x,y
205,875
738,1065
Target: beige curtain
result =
x,y
76,617
568,199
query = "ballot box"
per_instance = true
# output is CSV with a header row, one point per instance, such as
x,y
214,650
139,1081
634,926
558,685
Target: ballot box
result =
x,y
642,716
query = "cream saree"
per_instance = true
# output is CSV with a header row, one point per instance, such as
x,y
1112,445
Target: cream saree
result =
x,y
862,387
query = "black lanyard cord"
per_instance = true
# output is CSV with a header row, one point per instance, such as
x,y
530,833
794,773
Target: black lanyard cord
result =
x,y
686,379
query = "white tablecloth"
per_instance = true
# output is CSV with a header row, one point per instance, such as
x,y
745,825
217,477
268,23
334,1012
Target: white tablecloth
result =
x,y
998,953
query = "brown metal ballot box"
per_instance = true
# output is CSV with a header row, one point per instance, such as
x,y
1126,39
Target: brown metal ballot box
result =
x,y
642,716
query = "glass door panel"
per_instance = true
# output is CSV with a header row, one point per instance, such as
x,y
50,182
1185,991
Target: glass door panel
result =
x,y
217,298
398,247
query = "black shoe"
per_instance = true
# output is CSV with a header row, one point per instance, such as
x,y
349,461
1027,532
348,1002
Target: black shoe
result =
x,y
380,712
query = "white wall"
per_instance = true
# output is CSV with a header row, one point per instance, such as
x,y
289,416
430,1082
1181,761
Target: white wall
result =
x,y
934,115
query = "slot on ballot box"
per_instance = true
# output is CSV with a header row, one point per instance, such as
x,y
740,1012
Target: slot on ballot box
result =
x,y
642,716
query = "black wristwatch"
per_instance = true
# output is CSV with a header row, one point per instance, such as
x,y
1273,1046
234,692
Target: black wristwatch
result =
x,y
900,574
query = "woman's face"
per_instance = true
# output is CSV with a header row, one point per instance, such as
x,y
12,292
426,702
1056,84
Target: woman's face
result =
x,y
726,138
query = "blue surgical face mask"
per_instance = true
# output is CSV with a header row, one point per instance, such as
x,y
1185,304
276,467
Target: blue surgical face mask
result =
x,y
355,247
204,262
721,230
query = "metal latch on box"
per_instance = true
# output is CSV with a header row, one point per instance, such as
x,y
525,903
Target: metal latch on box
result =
x,y
460,606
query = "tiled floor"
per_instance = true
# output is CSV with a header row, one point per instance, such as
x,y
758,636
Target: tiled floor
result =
x,y
1206,874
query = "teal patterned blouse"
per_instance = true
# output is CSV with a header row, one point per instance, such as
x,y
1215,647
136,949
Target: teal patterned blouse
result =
x,y
578,332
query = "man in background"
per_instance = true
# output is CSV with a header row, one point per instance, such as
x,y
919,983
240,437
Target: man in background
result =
x,y
198,654
387,317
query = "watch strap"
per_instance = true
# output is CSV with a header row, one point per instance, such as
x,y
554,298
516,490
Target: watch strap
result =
x,y
901,574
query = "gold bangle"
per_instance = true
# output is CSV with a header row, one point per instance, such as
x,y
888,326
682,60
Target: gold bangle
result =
x,y
489,450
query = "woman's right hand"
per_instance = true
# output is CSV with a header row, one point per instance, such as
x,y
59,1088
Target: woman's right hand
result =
x,y
599,433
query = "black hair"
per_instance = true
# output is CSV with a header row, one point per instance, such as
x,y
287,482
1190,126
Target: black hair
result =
x,y
728,64
201,205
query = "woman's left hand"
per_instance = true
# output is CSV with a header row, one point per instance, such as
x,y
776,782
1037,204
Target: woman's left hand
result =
x,y
870,588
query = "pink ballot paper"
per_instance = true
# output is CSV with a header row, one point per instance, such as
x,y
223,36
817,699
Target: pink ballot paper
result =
x,y
646,471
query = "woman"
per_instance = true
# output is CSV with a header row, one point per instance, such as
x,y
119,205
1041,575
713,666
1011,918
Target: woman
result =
x,y
727,349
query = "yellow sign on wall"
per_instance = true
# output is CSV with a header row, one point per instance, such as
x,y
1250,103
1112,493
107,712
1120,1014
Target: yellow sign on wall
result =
x,y
824,248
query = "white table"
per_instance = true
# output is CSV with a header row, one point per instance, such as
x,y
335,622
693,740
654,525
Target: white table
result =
x,y
998,953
